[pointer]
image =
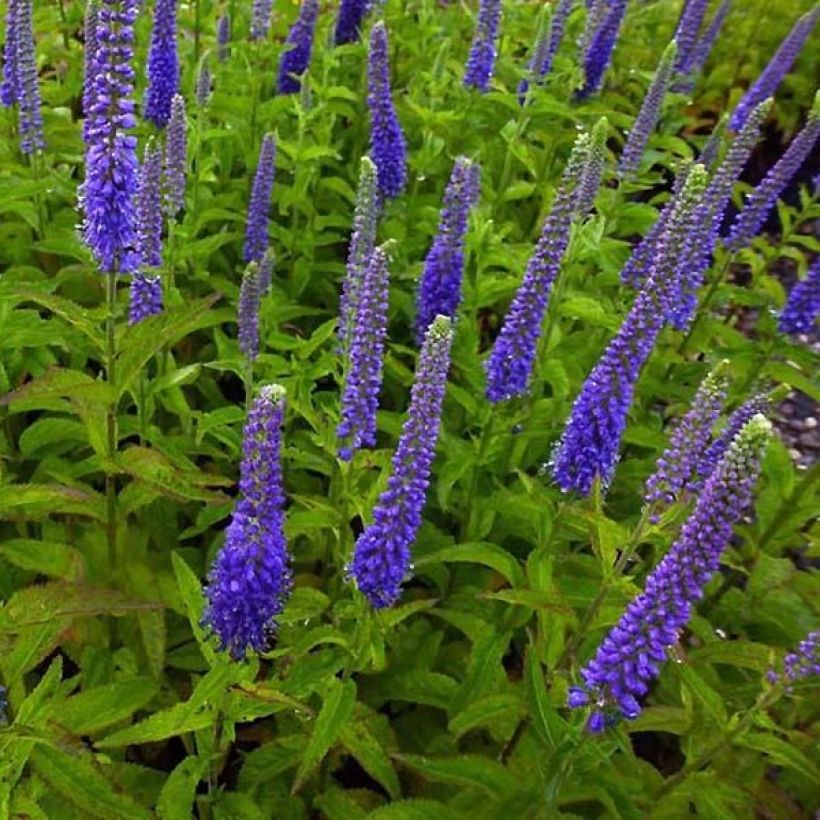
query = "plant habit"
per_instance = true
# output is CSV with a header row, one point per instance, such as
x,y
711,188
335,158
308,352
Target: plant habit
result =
x,y
439,290
107,194
481,59
510,364
250,580
648,116
296,59
777,68
588,449
802,308
146,285
387,144
256,230
631,655
163,64
762,199
381,556
363,371
362,242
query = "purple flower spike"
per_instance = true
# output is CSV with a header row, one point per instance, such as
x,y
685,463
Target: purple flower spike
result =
x,y
248,312
256,231
89,62
176,158
803,305
689,439
203,84
296,59
778,67
149,207
439,290
251,577
260,18
703,47
647,118
30,115
362,241
601,46
223,37
107,193
349,20
539,54
762,199
363,379
630,657
381,557
757,405
10,87
387,144
481,60
588,449
686,34
805,661
265,276
511,360
163,64
145,297
559,23
590,180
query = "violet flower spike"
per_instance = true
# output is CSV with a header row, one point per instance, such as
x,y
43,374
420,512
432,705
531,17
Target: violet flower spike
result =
x,y
776,70
248,312
265,275
539,54
557,28
689,439
804,662
362,242
295,61
251,578
648,116
203,84
260,18
145,296
703,47
763,198
588,450
592,173
803,305
176,158
387,144
363,376
601,46
29,102
481,59
10,87
509,366
349,21
630,656
223,37
757,405
439,290
89,61
256,231
163,64
686,33
106,196
381,556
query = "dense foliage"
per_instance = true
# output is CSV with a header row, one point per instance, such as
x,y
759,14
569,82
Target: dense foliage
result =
x,y
455,483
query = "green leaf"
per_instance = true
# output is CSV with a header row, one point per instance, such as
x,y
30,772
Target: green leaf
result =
x,y
101,706
782,753
416,810
80,782
485,712
551,727
483,668
744,654
193,601
176,800
487,554
141,341
371,756
336,711
473,771
36,501
44,557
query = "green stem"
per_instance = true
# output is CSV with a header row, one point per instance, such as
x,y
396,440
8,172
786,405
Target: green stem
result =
x,y
248,384
111,420
468,522
141,407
